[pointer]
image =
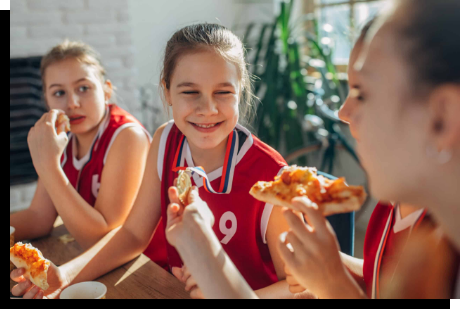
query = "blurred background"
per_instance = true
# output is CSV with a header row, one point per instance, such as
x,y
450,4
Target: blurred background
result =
x,y
297,49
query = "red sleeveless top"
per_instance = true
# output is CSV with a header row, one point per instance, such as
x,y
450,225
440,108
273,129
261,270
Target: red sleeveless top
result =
x,y
241,220
85,174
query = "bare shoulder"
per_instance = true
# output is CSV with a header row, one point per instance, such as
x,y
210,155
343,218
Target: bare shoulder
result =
x,y
131,141
158,133
132,135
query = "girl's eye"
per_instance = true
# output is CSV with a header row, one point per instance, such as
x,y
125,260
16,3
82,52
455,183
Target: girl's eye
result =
x,y
59,93
190,92
83,88
223,92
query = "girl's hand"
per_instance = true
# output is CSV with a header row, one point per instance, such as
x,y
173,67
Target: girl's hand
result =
x,y
185,277
315,261
294,286
182,221
56,280
45,144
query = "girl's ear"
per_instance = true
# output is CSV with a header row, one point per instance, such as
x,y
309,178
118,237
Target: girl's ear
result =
x,y
444,107
108,91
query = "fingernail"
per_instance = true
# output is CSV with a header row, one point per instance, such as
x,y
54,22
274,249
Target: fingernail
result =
x,y
21,271
283,237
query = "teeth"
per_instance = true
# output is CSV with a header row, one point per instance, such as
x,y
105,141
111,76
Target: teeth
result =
x,y
206,127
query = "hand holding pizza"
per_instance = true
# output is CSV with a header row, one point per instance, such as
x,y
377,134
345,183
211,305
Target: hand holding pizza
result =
x,y
183,220
315,262
56,281
47,140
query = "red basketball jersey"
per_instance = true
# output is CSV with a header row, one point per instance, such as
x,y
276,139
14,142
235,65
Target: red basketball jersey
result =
x,y
241,221
384,235
85,174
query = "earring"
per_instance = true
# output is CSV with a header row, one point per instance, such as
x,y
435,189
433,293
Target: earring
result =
x,y
169,104
442,157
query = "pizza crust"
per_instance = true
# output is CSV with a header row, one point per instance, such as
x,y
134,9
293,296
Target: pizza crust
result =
x,y
39,278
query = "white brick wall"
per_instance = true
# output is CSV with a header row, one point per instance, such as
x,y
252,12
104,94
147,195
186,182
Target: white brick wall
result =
x,y
37,25
21,196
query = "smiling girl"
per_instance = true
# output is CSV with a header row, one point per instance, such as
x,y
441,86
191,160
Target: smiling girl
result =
x,y
206,84
89,178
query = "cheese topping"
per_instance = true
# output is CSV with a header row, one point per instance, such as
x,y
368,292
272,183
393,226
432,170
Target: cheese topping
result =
x,y
304,181
32,256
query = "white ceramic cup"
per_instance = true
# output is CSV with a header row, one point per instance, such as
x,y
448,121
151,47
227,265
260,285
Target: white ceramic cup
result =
x,y
85,290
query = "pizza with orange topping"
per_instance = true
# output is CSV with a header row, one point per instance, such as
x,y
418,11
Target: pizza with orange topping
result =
x,y
331,196
31,259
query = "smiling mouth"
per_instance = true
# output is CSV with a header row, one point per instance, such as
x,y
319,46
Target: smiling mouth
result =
x,y
207,125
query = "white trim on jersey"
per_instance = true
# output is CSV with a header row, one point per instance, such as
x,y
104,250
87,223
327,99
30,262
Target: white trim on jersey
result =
x,y
197,178
78,164
266,214
121,128
161,148
404,223
247,144
377,255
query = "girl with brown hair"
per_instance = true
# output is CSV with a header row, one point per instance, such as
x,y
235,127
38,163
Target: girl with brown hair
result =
x,y
206,84
90,177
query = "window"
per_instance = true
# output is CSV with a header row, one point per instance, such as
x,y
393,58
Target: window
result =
x,y
340,21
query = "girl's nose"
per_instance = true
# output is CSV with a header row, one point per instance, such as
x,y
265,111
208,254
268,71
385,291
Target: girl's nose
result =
x,y
207,106
73,101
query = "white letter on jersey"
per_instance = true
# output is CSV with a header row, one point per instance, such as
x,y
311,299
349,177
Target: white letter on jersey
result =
x,y
95,185
229,233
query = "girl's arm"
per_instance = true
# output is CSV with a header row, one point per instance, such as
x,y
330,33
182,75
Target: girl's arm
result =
x,y
133,237
120,181
277,225
355,268
190,231
38,219
122,244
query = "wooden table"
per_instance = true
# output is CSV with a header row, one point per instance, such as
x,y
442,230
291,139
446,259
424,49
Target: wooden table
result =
x,y
140,278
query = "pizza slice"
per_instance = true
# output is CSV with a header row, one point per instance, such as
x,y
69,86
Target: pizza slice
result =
x,y
62,120
332,196
31,259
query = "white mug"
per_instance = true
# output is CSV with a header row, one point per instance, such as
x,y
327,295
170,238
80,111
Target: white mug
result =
x,y
85,290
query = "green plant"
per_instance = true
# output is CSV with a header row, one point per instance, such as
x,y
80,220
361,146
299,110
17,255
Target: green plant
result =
x,y
290,96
